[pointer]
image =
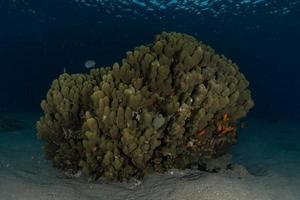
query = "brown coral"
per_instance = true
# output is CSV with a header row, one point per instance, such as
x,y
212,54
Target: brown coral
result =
x,y
167,105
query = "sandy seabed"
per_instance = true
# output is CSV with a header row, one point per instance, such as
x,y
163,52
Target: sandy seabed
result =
x,y
268,150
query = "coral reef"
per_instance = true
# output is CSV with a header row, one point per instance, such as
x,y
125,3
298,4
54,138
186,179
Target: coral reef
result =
x,y
174,103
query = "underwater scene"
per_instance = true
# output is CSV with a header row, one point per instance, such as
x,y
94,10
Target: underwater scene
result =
x,y
149,100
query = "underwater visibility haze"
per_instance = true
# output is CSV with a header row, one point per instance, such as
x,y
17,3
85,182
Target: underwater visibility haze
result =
x,y
148,99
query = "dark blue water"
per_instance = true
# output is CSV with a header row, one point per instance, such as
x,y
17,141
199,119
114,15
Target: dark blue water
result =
x,y
38,38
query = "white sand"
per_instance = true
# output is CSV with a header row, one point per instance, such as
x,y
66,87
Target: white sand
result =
x,y
271,156
188,185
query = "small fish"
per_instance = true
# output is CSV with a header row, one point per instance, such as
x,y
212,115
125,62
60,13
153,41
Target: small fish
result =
x,y
90,64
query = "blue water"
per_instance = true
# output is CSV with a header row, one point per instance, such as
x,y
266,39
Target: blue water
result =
x,y
39,38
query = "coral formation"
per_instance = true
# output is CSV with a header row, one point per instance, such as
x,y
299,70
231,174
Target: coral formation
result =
x,y
170,104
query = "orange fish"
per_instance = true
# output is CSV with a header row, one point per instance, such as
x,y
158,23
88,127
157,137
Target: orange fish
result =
x,y
225,117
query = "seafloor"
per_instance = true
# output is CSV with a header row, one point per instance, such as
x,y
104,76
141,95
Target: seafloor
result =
x,y
269,150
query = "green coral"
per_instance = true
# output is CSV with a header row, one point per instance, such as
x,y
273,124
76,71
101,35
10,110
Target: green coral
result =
x,y
171,104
